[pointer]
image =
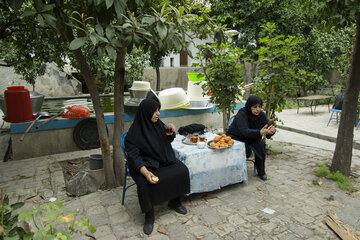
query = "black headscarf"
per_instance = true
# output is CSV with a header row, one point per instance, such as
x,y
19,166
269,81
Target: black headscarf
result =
x,y
254,121
150,137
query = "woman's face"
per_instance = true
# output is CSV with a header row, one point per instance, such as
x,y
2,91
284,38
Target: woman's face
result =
x,y
256,109
155,116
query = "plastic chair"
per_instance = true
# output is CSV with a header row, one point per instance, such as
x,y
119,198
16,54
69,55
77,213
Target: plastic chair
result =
x,y
247,159
332,113
127,173
230,121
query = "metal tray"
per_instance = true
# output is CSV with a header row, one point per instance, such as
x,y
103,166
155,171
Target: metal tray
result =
x,y
208,145
186,140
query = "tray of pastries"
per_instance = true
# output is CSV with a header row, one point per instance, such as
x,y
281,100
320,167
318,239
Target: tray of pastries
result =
x,y
221,142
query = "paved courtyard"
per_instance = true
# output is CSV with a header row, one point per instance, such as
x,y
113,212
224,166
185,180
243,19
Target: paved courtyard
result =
x,y
233,212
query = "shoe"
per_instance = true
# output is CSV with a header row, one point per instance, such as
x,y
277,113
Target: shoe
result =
x,y
178,208
263,177
149,222
148,228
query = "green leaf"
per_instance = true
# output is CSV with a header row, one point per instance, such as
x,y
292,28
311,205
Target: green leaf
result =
x,y
109,3
15,4
48,7
110,33
111,51
99,30
120,7
59,204
148,20
25,215
39,5
28,236
92,229
161,28
77,43
17,205
51,20
40,19
93,38
16,237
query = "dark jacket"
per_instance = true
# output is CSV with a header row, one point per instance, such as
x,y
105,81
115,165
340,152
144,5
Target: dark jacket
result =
x,y
240,130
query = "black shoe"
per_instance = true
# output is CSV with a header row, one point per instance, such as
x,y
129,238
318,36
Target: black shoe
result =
x,y
149,222
263,177
148,228
177,208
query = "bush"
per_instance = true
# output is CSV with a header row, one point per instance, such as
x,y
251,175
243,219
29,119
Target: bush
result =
x,y
342,181
322,171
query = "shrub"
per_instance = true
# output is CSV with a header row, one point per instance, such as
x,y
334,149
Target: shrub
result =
x,y
342,181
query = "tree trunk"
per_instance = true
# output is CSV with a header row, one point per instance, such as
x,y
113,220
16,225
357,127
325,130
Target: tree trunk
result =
x,y
268,104
103,136
119,83
157,78
225,120
343,151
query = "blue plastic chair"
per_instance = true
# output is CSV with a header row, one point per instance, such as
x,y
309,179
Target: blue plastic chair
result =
x,y
247,159
337,118
332,113
358,125
127,173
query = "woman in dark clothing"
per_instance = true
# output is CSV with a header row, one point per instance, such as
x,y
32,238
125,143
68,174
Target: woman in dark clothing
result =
x,y
159,176
249,125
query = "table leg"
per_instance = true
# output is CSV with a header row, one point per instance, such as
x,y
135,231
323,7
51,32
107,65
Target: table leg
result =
x,y
298,105
311,103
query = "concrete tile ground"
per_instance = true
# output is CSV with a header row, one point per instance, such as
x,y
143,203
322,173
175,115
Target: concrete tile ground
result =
x,y
233,212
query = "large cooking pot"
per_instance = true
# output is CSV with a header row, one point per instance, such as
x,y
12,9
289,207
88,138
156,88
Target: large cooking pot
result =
x,y
36,100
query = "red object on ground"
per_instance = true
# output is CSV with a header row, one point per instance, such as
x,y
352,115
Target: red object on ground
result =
x,y
18,105
76,111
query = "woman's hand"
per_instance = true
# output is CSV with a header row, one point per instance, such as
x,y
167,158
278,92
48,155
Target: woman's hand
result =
x,y
268,130
272,129
148,175
172,126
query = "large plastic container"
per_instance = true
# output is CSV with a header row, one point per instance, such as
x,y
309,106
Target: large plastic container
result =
x,y
194,77
194,88
18,105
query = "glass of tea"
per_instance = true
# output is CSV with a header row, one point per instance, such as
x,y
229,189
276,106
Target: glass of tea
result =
x,y
194,139
202,138
168,130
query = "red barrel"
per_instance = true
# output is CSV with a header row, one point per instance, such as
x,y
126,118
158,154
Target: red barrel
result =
x,y
18,105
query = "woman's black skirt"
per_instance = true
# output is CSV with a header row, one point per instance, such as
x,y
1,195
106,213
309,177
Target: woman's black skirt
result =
x,y
174,181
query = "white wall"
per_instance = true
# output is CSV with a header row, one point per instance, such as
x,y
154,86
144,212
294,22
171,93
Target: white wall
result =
x,y
192,48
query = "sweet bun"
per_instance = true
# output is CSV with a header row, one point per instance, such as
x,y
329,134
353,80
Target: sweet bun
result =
x,y
221,141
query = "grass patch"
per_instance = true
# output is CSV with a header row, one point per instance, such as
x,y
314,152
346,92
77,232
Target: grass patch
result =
x,y
344,183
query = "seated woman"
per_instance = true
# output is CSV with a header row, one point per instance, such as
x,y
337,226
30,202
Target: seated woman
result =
x,y
249,125
159,176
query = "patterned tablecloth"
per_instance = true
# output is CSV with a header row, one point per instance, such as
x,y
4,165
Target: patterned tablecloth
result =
x,y
212,169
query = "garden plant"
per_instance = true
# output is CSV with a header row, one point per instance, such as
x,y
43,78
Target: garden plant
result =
x,y
223,74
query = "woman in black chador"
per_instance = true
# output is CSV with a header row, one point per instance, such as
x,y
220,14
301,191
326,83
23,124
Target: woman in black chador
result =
x,y
249,125
159,176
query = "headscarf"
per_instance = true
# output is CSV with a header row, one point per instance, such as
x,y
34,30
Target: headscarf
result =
x,y
150,137
254,121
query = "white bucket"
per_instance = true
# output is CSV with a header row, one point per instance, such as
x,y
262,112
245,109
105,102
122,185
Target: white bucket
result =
x,y
195,92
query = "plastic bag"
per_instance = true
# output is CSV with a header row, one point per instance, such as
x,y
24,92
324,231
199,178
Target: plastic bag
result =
x,y
76,111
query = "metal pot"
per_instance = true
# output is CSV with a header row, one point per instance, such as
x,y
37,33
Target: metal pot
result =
x,y
36,99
